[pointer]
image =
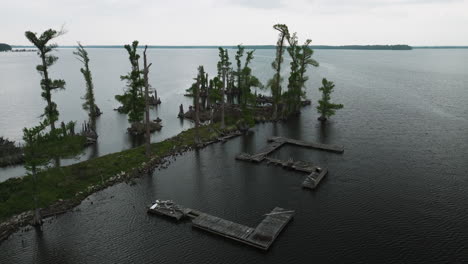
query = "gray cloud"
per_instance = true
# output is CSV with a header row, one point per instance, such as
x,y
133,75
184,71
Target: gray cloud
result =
x,y
227,22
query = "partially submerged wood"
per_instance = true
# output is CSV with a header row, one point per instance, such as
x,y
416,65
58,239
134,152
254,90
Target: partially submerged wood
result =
x,y
261,155
314,178
261,237
316,173
167,208
301,166
320,146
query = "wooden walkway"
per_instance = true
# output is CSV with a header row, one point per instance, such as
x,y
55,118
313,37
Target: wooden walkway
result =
x,y
326,147
261,236
277,142
301,166
316,174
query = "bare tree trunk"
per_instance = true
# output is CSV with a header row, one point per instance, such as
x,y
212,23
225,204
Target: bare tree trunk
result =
x,y
223,125
37,220
147,117
197,110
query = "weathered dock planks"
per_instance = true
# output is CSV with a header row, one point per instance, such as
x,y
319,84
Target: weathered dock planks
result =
x,y
301,166
222,227
261,155
320,146
168,209
261,236
268,230
314,179
315,173
277,142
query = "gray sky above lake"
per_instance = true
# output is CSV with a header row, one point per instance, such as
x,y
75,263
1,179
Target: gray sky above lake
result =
x,y
229,22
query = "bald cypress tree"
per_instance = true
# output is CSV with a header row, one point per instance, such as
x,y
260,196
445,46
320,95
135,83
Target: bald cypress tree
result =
x,y
325,107
90,102
133,100
33,162
44,48
301,58
275,83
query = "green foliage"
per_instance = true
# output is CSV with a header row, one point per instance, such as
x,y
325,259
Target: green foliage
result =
x,y
8,147
301,56
223,61
133,100
48,85
43,146
66,182
325,107
215,93
90,103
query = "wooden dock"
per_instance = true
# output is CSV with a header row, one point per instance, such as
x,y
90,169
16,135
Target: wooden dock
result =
x,y
316,173
301,166
261,236
314,179
326,147
277,142
167,209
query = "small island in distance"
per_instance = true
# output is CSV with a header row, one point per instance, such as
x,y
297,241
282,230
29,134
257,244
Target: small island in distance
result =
x,y
5,47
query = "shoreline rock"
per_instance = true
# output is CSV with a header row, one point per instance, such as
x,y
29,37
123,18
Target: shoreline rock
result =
x,y
14,223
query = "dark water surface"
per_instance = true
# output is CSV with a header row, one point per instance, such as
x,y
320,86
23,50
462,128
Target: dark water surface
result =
x,y
398,194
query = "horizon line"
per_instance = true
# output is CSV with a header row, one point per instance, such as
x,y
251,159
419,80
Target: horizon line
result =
x,y
256,46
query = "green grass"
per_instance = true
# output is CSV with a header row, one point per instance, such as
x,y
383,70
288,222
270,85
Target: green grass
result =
x,y
65,182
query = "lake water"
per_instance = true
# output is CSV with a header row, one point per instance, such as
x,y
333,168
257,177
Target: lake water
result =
x,y
397,194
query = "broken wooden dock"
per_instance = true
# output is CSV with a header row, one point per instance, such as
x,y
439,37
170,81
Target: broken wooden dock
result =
x,y
301,166
277,142
314,179
261,237
320,146
167,209
316,173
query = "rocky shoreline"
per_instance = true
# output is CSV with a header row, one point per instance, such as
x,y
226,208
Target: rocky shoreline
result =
x,y
15,222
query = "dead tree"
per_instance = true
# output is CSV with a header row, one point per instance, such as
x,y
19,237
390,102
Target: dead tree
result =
x,y
147,117
196,99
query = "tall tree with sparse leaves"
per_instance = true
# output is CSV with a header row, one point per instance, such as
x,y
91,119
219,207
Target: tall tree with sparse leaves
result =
x,y
133,100
325,107
223,66
196,101
275,83
238,73
47,60
90,102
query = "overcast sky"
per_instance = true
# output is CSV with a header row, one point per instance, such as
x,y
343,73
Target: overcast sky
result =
x,y
230,22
